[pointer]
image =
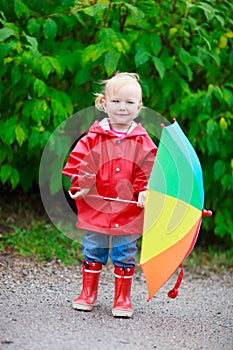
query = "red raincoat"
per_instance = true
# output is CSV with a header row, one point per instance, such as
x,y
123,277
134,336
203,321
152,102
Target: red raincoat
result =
x,y
111,166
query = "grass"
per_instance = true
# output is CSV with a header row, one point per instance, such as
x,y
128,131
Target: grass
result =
x,y
42,242
26,230
209,259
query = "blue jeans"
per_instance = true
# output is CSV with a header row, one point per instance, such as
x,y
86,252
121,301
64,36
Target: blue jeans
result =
x,y
96,248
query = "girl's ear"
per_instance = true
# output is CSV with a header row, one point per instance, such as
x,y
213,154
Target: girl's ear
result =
x,y
103,102
139,106
138,109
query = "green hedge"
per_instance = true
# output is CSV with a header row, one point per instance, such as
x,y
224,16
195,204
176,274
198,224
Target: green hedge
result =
x,y
53,52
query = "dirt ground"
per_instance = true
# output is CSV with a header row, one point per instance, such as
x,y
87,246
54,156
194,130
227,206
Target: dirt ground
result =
x,y
36,311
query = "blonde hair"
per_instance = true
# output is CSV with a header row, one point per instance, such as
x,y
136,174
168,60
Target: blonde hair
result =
x,y
114,83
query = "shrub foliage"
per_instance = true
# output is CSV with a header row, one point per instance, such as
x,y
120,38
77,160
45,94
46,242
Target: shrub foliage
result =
x,y
53,52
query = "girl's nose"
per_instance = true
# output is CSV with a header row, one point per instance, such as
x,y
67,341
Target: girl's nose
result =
x,y
122,106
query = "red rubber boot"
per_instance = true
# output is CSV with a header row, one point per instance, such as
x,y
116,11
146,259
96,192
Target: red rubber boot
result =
x,y
91,273
122,302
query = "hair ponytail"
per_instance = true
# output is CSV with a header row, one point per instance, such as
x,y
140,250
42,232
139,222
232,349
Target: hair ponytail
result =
x,y
99,102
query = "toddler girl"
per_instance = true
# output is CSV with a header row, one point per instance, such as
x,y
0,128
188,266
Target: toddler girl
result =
x,y
113,160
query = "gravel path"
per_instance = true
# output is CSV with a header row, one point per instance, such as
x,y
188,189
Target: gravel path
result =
x,y
36,311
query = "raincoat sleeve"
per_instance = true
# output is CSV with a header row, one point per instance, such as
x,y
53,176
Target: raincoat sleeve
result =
x,y
144,168
81,166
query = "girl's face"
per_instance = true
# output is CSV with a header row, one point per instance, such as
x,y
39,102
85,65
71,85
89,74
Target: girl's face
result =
x,y
123,105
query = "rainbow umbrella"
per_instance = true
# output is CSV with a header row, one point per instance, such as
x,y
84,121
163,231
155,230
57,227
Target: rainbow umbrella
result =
x,y
173,210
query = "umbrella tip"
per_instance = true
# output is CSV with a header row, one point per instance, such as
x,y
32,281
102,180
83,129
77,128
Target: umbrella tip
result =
x,y
162,125
206,212
174,120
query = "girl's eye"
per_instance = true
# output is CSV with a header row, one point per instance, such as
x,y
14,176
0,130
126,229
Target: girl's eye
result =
x,y
115,101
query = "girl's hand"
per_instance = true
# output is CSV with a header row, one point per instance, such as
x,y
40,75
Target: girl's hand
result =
x,y
141,199
80,194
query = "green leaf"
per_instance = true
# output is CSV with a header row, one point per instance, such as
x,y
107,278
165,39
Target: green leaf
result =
x,y
63,99
111,60
82,75
79,19
44,138
221,20
220,224
28,108
212,145
15,75
46,67
96,10
39,87
33,26
227,181
167,59
5,173
197,60
33,47
57,65
159,66
3,153
141,56
172,31
215,57
20,134
155,43
185,56
136,13
108,36
208,10
71,60
21,9
4,49
211,127
34,138
50,28
219,169
14,178
31,40
184,85
93,53
58,111
5,33
40,107
228,97
206,102
189,73
8,60
8,130
223,124
203,116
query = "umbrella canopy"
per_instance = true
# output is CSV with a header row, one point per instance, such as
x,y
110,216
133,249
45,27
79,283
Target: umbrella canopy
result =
x,y
173,210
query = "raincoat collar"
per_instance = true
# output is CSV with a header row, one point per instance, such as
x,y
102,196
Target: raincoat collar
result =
x,y
101,127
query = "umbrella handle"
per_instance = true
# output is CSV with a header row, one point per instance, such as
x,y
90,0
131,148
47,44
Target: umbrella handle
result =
x,y
112,199
106,198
